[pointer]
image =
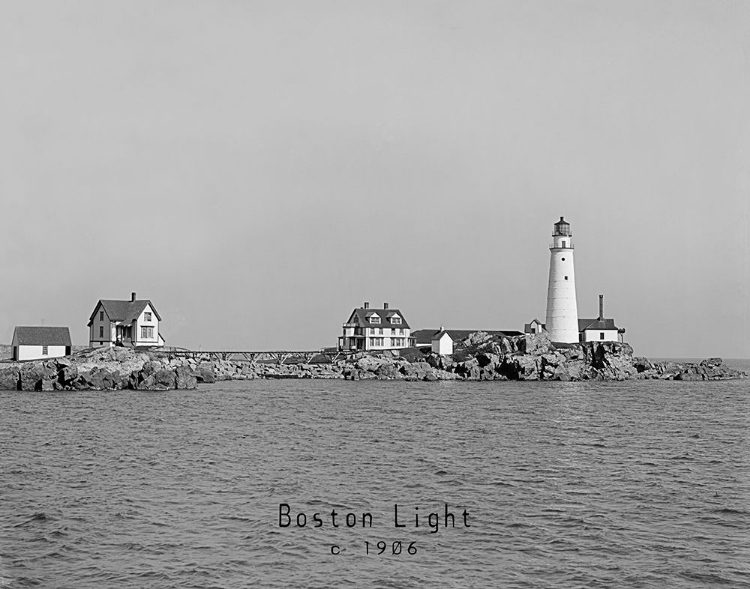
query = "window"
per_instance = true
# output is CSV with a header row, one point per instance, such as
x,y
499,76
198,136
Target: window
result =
x,y
101,331
601,335
147,316
147,332
563,243
380,331
101,315
533,330
566,278
396,320
45,350
563,259
401,331
374,319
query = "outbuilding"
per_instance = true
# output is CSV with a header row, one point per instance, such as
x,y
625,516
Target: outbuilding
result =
x,y
40,342
443,339
600,329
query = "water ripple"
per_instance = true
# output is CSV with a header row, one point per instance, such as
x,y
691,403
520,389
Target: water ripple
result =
x,y
565,484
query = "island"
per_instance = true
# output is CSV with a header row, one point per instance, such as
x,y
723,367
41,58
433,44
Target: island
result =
x,y
479,357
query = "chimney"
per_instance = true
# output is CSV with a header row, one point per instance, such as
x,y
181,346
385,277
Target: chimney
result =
x,y
601,307
367,305
385,306
132,296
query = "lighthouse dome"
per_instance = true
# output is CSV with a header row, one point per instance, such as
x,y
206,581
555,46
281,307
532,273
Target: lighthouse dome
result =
x,y
562,227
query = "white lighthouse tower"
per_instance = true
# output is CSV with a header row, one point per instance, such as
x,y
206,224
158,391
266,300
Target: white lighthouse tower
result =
x,y
562,310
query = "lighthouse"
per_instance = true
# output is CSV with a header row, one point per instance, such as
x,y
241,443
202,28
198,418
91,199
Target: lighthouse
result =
x,y
562,311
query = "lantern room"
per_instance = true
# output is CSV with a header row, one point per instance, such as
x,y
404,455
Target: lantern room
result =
x,y
562,237
562,227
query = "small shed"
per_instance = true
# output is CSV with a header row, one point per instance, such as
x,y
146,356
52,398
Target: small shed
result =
x,y
602,330
442,343
35,343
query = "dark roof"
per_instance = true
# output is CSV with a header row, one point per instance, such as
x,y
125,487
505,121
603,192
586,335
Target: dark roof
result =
x,y
41,336
123,311
384,314
459,334
423,336
584,324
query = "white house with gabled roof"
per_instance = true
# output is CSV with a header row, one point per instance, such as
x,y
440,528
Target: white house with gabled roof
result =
x,y
535,326
133,323
40,342
375,329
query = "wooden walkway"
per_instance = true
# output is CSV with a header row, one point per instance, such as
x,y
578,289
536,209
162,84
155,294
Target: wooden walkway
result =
x,y
276,356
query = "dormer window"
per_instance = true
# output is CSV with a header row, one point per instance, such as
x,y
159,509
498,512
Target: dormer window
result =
x,y
375,319
396,320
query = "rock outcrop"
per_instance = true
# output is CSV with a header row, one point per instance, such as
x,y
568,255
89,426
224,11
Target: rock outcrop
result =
x,y
535,357
479,357
102,369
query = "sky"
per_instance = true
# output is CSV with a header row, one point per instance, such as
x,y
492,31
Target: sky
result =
x,y
258,169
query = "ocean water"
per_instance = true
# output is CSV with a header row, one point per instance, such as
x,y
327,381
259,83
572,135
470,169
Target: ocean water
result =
x,y
622,484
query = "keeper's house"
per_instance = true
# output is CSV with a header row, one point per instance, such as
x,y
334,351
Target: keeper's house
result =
x,y
133,323
36,343
375,329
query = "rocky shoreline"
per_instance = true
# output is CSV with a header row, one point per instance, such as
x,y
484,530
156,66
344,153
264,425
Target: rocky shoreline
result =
x,y
479,357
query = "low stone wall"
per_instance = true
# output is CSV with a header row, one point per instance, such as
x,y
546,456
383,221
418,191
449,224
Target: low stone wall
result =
x,y
479,357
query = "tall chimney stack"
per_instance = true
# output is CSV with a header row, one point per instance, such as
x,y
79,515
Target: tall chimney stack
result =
x,y
601,307
367,305
385,305
132,296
